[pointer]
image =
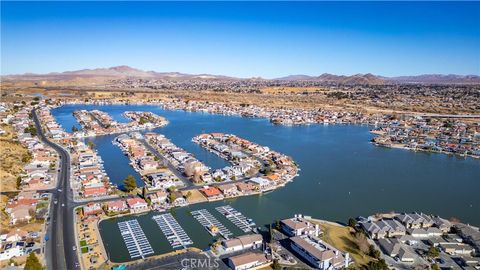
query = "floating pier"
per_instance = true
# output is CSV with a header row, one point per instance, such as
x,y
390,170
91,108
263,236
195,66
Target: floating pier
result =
x,y
174,233
209,222
236,218
135,239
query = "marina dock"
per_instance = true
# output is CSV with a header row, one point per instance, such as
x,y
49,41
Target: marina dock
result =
x,y
135,239
209,222
236,218
173,231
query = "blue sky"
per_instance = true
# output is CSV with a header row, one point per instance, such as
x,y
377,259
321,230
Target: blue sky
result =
x,y
245,39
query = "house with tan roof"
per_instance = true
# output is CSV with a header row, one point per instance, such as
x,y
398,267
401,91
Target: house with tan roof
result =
x,y
137,205
319,254
249,241
228,190
298,225
248,260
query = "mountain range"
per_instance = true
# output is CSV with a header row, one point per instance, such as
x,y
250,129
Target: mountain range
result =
x,y
120,72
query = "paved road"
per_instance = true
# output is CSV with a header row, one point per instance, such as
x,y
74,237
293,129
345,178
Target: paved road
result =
x,y
59,249
172,168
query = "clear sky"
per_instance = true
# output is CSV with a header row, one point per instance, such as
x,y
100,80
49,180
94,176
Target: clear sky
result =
x,y
245,39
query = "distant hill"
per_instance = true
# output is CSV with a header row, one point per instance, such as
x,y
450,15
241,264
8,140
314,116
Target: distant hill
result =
x,y
99,75
374,79
340,79
117,72
437,78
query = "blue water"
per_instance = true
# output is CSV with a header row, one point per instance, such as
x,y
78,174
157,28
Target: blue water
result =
x,y
342,174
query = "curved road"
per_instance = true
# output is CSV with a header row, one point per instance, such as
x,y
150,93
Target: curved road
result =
x,y
59,253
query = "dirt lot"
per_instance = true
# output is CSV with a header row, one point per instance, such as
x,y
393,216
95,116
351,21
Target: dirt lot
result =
x,y
11,164
195,196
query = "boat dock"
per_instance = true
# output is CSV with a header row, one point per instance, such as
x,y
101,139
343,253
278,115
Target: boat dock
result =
x,y
209,222
174,233
135,239
236,218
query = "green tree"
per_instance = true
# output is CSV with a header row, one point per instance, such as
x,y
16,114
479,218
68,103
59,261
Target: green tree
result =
x,y
433,252
434,267
31,129
373,252
129,183
19,182
91,144
352,222
276,265
142,121
171,197
33,263
377,265
189,194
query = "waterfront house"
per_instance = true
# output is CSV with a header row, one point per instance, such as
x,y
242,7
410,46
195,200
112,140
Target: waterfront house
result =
x,y
298,225
228,190
262,184
179,199
147,164
248,260
211,193
383,228
442,224
249,241
415,220
118,206
158,197
245,187
137,205
162,180
318,253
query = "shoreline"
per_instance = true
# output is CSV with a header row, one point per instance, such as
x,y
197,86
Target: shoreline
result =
x,y
367,121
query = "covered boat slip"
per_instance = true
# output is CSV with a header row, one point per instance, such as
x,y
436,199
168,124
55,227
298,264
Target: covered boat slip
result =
x,y
209,222
135,239
174,233
237,218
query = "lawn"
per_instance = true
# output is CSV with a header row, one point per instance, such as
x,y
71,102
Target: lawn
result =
x,y
42,204
83,243
84,249
341,238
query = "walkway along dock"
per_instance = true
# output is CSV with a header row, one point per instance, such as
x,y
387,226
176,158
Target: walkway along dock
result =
x,y
236,218
174,233
135,239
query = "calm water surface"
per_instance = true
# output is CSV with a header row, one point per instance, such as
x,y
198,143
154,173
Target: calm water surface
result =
x,y
342,175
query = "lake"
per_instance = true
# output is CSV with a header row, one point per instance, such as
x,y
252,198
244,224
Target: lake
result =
x,y
342,174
